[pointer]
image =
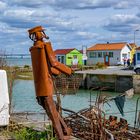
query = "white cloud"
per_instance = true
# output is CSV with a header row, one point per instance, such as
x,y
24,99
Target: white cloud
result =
x,y
5,28
83,4
3,5
68,23
28,3
18,13
127,4
122,23
122,5
124,18
87,35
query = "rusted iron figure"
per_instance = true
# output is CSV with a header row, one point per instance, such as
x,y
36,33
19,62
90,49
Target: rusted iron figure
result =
x,y
45,66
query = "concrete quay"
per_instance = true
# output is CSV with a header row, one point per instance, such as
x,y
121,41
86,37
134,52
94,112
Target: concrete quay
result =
x,y
111,70
116,78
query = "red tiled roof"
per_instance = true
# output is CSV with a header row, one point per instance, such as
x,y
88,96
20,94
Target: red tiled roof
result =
x,y
132,45
138,48
107,46
63,51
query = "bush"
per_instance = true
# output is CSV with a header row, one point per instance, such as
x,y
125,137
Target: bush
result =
x,y
26,66
100,65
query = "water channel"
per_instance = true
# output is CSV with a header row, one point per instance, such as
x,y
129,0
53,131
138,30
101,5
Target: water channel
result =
x,y
24,100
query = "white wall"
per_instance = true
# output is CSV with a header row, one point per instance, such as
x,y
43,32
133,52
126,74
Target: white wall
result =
x,y
126,51
116,57
4,99
91,61
113,60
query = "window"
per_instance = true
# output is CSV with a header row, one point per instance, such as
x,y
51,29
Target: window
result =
x,y
75,56
104,54
99,54
92,54
138,56
59,58
110,54
124,55
62,59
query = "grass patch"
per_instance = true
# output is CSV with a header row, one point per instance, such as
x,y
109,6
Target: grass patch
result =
x,y
19,132
24,75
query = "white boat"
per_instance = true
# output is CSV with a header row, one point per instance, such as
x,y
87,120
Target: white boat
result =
x,y
4,99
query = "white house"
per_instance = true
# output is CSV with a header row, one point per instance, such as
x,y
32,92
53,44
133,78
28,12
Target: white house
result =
x,y
109,53
137,56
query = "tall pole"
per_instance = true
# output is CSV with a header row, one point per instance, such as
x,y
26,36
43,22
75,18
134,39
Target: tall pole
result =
x,y
135,36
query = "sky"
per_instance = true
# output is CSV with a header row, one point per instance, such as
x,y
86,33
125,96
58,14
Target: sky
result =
x,y
68,23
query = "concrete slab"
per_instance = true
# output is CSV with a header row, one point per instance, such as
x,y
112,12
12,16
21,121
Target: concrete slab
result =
x,y
112,70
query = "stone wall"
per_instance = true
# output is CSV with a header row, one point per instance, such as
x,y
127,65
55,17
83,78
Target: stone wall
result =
x,y
136,83
112,82
124,83
92,81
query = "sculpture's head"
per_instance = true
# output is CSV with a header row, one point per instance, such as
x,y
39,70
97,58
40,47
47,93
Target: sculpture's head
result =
x,y
37,33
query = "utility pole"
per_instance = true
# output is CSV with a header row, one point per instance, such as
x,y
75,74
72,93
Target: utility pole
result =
x,y
135,36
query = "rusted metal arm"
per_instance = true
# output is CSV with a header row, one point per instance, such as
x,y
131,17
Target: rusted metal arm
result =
x,y
54,63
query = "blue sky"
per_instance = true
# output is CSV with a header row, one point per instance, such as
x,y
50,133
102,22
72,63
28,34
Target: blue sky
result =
x,y
68,23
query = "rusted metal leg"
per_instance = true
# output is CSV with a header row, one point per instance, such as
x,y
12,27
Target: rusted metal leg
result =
x,y
58,123
67,130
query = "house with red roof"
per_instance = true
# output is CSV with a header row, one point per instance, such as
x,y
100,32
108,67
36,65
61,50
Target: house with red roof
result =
x,y
109,53
69,56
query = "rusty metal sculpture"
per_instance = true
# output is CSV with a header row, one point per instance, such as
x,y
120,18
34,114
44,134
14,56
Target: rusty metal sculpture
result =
x,y
45,66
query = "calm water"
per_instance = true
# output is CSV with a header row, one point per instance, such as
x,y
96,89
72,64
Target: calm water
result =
x,y
18,61
24,100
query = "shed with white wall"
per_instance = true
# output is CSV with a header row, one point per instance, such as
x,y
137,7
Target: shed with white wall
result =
x,y
4,99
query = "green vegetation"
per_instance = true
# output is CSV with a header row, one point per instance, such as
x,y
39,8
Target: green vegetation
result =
x,y
30,134
26,66
23,73
19,132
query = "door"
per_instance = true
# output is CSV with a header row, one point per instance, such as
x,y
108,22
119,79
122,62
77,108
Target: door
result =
x,y
106,60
